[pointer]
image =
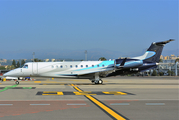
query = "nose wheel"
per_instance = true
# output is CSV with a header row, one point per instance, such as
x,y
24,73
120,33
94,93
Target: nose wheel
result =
x,y
17,82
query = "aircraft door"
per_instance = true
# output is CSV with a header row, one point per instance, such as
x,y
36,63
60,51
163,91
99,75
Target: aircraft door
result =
x,y
21,71
34,68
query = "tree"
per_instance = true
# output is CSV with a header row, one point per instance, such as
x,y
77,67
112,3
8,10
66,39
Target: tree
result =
x,y
161,61
18,64
102,58
170,73
161,73
14,63
2,68
22,62
177,60
10,67
37,60
154,73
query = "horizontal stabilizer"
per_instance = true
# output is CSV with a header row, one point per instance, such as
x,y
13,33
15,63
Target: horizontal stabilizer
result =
x,y
164,42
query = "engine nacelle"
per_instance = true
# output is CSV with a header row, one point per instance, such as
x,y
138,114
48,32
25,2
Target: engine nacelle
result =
x,y
127,63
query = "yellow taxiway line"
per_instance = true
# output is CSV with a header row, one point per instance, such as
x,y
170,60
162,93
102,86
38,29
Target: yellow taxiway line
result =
x,y
37,81
105,108
101,105
78,89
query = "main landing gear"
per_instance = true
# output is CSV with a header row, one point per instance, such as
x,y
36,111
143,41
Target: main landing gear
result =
x,y
96,79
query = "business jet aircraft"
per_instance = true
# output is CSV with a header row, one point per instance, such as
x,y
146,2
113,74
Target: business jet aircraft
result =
x,y
93,70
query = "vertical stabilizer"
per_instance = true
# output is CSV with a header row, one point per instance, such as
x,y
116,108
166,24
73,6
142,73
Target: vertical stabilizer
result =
x,y
154,51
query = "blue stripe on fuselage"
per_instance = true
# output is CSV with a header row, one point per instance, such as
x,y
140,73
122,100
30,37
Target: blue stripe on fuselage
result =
x,y
105,63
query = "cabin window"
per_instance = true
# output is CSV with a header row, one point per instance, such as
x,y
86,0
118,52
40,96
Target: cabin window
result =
x,y
81,65
57,66
25,66
97,65
76,66
52,66
103,65
92,65
61,66
86,65
71,66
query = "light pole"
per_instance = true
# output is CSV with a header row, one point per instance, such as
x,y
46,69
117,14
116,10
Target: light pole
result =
x,y
33,56
85,55
170,68
176,72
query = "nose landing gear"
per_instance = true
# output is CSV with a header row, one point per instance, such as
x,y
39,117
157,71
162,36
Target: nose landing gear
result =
x,y
17,82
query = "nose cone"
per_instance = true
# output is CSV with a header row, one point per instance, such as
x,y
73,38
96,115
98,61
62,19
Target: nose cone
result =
x,y
12,73
7,74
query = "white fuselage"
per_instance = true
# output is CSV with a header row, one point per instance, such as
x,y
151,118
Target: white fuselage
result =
x,y
61,69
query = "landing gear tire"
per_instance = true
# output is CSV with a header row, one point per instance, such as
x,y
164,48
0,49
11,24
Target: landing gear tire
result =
x,y
97,81
100,82
17,82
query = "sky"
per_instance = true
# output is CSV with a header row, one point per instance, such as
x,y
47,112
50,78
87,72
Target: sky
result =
x,y
66,28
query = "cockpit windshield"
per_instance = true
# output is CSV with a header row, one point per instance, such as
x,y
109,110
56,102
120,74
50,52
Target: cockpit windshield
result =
x,y
25,66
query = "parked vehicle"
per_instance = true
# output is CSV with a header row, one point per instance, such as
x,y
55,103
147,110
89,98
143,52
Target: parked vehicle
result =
x,y
27,78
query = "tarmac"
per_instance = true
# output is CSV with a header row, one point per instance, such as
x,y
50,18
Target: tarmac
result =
x,y
121,98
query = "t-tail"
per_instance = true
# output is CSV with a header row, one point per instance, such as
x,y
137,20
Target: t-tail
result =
x,y
154,52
